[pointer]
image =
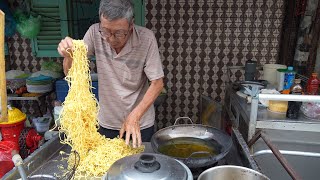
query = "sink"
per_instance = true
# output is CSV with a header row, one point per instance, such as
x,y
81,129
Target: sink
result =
x,y
301,149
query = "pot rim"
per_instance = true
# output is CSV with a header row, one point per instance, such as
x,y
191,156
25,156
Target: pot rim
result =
x,y
232,167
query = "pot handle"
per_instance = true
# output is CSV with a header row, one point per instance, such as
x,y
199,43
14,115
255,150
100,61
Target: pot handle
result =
x,y
175,122
147,164
199,152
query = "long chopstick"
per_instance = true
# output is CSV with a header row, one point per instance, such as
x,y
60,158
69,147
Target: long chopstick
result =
x,y
3,87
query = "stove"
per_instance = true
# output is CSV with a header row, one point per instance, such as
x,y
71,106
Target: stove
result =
x,y
239,155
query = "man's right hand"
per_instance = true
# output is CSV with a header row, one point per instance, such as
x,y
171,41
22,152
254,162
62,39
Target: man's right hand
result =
x,y
64,46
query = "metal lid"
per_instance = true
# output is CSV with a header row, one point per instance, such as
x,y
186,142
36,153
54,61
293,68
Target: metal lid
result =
x,y
147,166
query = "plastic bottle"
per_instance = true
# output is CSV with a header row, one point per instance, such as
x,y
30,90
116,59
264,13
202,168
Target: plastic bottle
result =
x,y
294,106
280,78
313,84
289,78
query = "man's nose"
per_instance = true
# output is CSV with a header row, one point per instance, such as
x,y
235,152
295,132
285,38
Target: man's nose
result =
x,y
112,38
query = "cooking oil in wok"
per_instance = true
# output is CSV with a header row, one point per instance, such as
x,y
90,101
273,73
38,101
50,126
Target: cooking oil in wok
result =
x,y
184,147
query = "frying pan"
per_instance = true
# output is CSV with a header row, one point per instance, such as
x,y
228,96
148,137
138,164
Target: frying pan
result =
x,y
213,137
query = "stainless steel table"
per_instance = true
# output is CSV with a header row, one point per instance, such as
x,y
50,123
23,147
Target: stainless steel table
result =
x,y
47,158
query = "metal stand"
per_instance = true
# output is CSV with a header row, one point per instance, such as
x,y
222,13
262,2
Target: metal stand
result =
x,y
256,117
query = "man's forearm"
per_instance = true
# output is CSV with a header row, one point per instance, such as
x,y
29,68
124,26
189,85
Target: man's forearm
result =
x,y
151,95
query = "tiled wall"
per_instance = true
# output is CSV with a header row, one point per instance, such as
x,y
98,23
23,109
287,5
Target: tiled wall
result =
x,y
199,39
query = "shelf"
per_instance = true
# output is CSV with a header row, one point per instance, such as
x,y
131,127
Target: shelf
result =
x,y
38,99
19,98
240,111
289,125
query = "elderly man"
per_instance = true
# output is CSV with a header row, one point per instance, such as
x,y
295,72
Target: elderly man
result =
x,y
127,56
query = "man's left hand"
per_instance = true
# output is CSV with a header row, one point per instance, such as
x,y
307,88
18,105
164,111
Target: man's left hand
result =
x,y
131,126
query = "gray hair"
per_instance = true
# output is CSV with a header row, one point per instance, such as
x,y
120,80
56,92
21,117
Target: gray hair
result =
x,y
116,9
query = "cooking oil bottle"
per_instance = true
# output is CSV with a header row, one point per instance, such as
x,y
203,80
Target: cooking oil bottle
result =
x,y
294,106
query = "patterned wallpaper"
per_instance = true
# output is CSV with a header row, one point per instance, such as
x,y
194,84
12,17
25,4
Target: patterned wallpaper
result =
x,y
197,41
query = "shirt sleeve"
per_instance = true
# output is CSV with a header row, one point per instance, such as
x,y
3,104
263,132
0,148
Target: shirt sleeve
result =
x,y
153,66
88,40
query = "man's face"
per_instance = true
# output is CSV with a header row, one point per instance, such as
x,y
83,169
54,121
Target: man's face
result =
x,y
115,32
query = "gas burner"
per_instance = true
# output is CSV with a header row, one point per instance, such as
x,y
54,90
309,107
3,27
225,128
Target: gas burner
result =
x,y
197,171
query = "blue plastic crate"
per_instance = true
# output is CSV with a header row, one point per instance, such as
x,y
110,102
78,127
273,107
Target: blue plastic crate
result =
x,y
62,89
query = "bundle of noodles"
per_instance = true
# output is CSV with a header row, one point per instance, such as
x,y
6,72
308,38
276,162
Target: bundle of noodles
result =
x,y
79,122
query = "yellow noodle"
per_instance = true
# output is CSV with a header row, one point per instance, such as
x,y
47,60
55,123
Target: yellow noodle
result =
x,y
79,122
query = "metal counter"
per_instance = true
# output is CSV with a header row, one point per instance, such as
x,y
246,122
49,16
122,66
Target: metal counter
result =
x,y
46,160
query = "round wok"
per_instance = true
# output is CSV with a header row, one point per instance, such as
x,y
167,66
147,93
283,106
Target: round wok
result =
x,y
206,133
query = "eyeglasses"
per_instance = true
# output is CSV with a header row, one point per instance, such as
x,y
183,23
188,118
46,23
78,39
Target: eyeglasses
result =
x,y
120,34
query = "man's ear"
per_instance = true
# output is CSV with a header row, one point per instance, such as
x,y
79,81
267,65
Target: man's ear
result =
x,y
132,23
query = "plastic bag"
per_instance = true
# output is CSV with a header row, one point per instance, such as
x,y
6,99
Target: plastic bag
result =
x,y
267,91
311,110
52,66
14,74
10,23
49,73
28,27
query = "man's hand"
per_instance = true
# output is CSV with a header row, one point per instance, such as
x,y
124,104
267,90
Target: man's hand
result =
x,y
64,50
64,45
131,126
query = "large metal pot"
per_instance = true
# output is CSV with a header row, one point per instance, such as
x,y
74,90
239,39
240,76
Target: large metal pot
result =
x,y
229,172
211,137
148,166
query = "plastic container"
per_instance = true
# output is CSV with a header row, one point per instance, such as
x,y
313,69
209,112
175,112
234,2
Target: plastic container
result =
x,y
250,70
278,106
56,113
294,106
42,124
62,89
289,77
280,79
313,84
270,72
11,130
39,88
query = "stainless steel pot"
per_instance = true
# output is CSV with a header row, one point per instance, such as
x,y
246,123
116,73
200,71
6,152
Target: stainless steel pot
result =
x,y
148,166
212,137
229,172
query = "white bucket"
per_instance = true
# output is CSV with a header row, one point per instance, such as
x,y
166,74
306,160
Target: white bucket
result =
x,y
270,72
56,113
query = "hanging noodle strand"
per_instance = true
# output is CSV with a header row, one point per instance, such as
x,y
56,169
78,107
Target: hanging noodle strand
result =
x,y
79,122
